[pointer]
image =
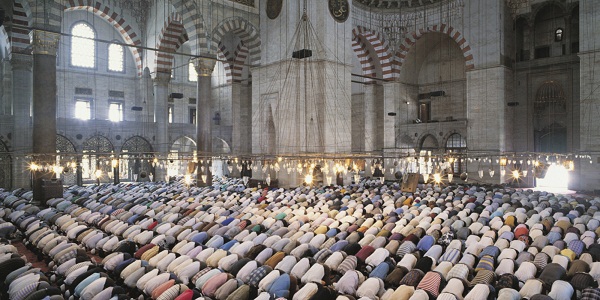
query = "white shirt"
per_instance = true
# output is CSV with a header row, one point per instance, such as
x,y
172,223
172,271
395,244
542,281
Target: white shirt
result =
x,y
372,288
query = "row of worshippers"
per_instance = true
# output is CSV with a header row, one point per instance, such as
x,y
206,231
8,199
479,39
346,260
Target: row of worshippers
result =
x,y
461,242
19,279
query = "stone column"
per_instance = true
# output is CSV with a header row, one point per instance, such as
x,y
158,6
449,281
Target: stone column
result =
x,y
204,68
161,119
45,45
241,114
21,72
374,118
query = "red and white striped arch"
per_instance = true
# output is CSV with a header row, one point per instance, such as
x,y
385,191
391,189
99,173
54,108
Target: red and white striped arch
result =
x,y
193,24
22,19
246,51
412,38
171,37
226,65
241,55
233,63
245,31
112,17
361,37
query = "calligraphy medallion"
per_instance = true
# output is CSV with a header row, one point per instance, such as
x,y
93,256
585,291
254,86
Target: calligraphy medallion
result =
x,y
339,9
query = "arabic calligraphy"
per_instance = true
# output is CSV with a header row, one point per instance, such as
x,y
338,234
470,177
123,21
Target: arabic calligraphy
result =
x,y
339,9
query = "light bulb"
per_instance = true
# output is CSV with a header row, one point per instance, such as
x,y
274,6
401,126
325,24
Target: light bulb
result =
x,y
308,179
437,178
515,174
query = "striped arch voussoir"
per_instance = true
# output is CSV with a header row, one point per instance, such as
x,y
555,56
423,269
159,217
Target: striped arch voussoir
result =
x,y
193,24
362,36
21,18
171,37
454,34
108,14
227,65
241,54
247,33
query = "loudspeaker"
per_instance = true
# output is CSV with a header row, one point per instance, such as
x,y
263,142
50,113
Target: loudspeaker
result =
x,y
410,185
300,54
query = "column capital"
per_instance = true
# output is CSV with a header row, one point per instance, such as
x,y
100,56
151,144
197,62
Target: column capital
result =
x,y
204,66
44,42
19,61
161,78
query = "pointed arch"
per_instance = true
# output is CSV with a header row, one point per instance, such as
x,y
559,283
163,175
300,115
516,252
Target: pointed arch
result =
x,y
136,145
241,54
227,65
244,30
98,144
64,145
194,25
171,37
113,18
361,37
454,34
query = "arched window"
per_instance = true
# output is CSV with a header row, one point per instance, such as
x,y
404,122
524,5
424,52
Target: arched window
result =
x,y
193,75
558,35
116,58
83,46
456,144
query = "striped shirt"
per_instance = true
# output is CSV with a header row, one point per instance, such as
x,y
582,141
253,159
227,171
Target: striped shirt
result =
x,y
173,292
431,283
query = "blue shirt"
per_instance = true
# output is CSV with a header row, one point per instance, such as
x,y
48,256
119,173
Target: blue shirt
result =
x,y
83,284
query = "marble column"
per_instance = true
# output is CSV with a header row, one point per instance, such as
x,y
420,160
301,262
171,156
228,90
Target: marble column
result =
x,y
204,68
161,119
241,113
44,45
21,91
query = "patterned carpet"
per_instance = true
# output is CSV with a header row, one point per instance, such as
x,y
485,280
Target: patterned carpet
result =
x,y
31,257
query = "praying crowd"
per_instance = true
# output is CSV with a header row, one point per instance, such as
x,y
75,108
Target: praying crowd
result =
x,y
362,241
